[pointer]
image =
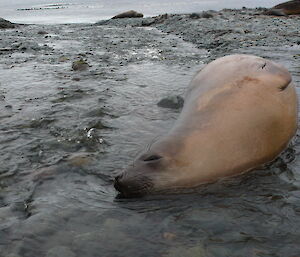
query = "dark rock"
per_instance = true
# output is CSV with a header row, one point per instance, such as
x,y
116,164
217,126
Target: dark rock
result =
x,y
263,9
63,58
27,46
155,20
206,15
102,22
42,32
4,24
129,14
172,102
80,65
195,15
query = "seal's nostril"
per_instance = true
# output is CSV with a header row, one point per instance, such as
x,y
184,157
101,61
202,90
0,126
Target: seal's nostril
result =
x,y
117,183
118,177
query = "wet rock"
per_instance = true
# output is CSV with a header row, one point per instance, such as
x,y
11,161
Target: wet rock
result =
x,y
91,243
63,59
172,102
38,123
129,14
5,24
102,22
26,46
156,20
42,32
169,236
98,112
80,159
60,251
97,125
80,65
238,31
195,15
161,18
207,15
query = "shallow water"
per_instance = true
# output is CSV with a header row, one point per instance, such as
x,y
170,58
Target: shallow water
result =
x,y
65,134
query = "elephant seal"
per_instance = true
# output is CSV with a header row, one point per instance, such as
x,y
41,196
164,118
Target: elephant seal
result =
x,y
129,14
240,112
287,8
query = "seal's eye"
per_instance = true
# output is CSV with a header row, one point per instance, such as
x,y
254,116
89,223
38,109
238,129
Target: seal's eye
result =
x,y
153,157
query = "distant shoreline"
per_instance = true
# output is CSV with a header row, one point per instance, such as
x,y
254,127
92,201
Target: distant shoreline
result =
x,y
68,13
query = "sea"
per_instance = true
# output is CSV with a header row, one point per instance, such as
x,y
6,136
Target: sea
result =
x,y
90,11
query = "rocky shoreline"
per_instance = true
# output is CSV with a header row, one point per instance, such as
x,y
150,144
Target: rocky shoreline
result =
x,y
79,101
224,31
219,32
5,24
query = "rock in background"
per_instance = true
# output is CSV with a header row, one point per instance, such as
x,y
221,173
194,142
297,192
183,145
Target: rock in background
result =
x,y
5,24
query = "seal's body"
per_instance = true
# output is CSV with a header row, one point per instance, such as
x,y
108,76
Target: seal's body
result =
x,y
129,14
287,8
239,113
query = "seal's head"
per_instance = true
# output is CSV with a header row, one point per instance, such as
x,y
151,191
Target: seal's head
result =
x,y
229,124
166,165
149,172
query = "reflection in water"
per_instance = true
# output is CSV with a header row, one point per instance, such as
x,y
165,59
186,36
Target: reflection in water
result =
x,y
65,134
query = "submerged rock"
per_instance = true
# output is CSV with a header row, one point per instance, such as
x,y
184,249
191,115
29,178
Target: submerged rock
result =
x,y
59,251
5,24
80,65
80,159
129,14
196,251
172,102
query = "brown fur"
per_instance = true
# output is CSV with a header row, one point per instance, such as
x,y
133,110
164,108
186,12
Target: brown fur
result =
x,y
240,112
287,8
129,14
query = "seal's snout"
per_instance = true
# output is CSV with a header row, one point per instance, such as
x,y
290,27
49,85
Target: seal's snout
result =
x,y
123,186
132,187
118,184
